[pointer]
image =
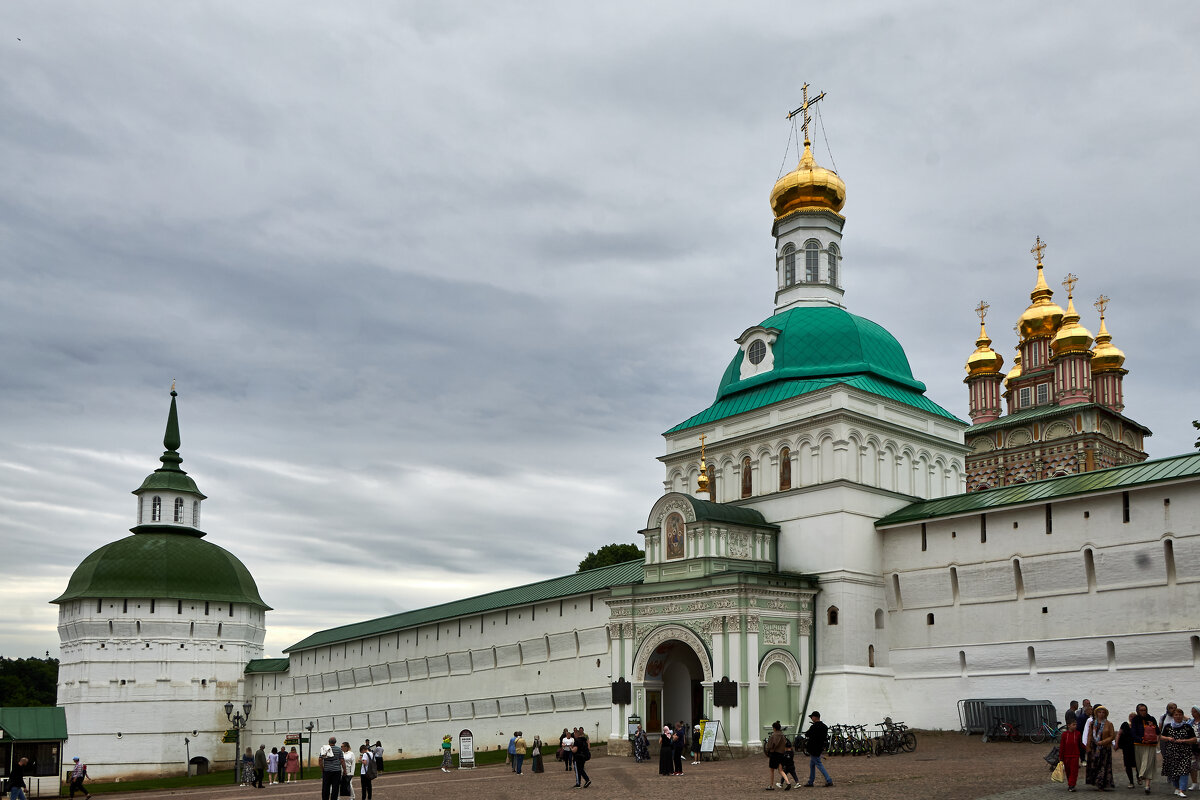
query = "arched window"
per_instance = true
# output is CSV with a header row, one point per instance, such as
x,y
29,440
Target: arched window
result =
x,y
195,512
785,469
831,615
812,259
747,478
789,264
179,509
879,619
156,509
834,256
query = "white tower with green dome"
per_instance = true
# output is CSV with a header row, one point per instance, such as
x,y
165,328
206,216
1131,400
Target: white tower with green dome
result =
x,y
156,629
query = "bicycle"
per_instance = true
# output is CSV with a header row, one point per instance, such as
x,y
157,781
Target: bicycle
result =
x,y
1002,729
1044,732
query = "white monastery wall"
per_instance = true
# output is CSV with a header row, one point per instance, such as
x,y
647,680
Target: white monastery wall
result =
x,y
536,669
184,657
1057,601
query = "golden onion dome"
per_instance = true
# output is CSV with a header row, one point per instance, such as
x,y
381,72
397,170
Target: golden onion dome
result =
x,y
1106,356
1043,316
1015,372
1071,337
985,360
808,186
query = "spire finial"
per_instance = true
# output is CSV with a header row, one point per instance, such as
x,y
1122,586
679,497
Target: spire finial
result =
x,y
803,110
981,310
1069,282
702,479
1101,304
171,458
1038,248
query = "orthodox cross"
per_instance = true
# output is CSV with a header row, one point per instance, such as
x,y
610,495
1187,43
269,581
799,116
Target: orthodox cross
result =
x,y
803,109
1070,282
1101,304
982,310
1038,249
702,438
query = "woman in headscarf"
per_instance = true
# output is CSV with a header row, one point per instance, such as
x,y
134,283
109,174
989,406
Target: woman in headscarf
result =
x,y
1145,744
1178,737
1100,739
641,745
665,764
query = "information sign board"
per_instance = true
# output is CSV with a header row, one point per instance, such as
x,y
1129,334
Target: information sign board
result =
x,y
466,749
708,734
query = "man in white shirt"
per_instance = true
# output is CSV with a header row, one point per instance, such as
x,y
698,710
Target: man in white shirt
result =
x,y
568,742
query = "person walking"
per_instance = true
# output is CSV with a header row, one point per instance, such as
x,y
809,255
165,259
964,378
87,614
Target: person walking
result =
x,y
518,752
536,755
332,767
641,745
260,765
1145,744
695,745
581,755
678,743
774,747
447,761
368,770
567,747
377,750
293,764
1195,750
281,765
1128,749
16,780
247,768
78,776
1099,748
348,760
814,744
1070,752
1178,738
272,766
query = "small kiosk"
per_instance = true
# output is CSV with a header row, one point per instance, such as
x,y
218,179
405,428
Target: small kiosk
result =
x,y
38,734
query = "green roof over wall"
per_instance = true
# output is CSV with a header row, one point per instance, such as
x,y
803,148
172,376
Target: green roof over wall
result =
x,y
163,564
1043,412
259,666
724,512
818,347
1113,478
578,583
36,724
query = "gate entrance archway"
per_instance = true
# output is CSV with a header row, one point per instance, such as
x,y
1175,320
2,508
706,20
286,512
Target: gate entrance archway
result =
x,y
673,666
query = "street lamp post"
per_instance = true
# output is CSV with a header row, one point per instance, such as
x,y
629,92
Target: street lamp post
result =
x,y
239,722
309,728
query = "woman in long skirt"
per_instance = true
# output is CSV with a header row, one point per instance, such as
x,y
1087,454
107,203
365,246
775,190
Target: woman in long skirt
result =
x,y
447,761
1099,762
248,767
665,762
641,745
536,755
1177,740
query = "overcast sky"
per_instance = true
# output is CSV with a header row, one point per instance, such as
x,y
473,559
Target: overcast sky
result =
x,y
434,277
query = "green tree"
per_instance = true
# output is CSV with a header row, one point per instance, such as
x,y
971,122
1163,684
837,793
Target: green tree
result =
x,y
28,681
611,554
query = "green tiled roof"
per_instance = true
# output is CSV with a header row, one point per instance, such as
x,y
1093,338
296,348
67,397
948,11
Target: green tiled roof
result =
x,y
163,563
723,512
785,390
824,342
260,665
1042,412
36,724
577,583
818,347
1124,477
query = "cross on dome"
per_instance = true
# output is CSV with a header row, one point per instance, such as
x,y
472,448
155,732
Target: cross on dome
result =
x,y
1101,304
1069,282
1038,249
803,109
982,310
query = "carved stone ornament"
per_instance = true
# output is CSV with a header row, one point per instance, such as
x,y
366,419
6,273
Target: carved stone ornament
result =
x,y
804,624
666,633
738,545
674,505
774,633
751,623
783,657
733,624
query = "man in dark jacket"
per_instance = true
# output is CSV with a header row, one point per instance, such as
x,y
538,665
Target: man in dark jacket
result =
x,y
260,765
817,738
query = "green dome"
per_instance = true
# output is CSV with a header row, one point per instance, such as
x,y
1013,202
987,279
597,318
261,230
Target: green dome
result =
x,y
825,342
155,563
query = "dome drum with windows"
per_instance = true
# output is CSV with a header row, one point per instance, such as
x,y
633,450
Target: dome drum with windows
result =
x,y
166,557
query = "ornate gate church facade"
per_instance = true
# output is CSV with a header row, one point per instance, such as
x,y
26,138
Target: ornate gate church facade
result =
x,y
815,546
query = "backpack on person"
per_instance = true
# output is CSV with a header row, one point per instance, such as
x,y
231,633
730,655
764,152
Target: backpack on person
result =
x,y
372,769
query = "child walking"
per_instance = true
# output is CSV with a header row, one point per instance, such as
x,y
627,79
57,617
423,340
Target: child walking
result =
x,y
1070,751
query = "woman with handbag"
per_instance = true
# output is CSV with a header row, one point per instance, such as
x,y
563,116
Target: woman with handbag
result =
x,y
1177,740
1145,744
1099,761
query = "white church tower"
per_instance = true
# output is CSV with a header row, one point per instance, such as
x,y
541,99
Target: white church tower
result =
x,y
156,629
820,427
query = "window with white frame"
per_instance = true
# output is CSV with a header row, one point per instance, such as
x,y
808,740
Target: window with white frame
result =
x,y
789,264
834,256
812,260
1024,397
1043,393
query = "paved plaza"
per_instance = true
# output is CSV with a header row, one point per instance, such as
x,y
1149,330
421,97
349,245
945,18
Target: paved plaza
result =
x,y
945,766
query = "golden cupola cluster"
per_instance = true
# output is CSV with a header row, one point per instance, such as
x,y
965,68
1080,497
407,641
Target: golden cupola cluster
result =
x,y
985,360
808,186
1071,337
1105,355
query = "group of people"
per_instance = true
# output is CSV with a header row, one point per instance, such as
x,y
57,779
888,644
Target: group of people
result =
x,y
278,766
574,750
1091,737
781,753
337,768
671,747
518,748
